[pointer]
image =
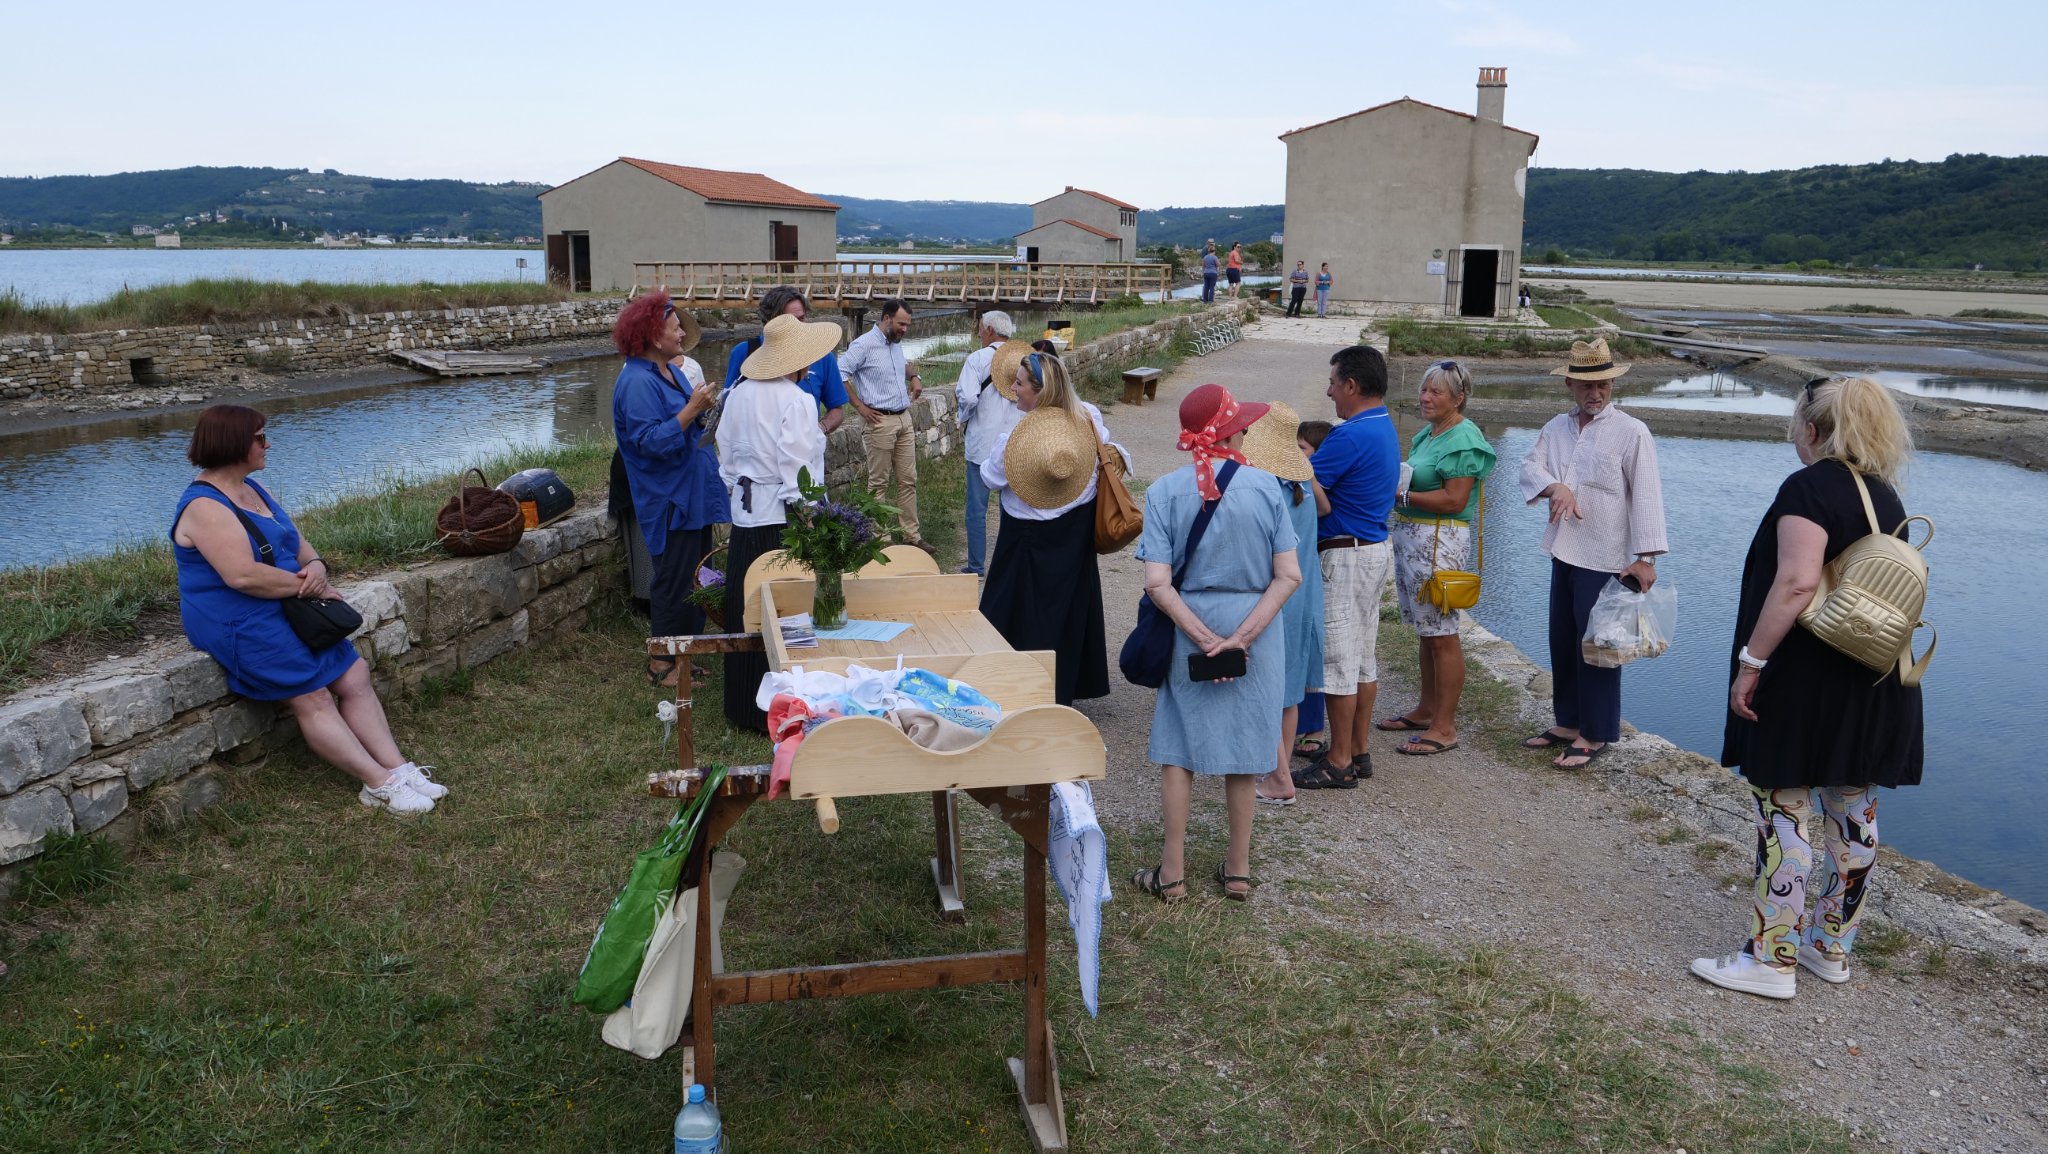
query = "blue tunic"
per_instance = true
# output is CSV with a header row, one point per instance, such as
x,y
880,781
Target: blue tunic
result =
x,y
1217,727
672,471
264,659
1301,619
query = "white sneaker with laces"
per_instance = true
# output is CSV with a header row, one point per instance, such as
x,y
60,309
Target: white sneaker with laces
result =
x,y
396,796
1739,971
1821,966
420,779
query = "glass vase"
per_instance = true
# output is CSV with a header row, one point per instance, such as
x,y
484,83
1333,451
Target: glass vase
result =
x,y
828,604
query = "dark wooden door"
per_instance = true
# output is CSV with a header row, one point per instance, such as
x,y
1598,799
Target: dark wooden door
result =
x,y
558,259
1476,295
782,243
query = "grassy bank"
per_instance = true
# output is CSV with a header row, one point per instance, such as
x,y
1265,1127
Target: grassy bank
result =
x,y
236,300
1406,337
101,599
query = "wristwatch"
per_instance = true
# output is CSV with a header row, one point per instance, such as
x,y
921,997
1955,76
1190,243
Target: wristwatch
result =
x,y
1749,660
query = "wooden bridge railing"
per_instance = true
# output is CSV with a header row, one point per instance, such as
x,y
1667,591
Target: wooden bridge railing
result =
x,y
858,283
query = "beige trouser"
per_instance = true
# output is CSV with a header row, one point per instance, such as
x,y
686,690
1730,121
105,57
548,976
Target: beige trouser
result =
x,y
892,447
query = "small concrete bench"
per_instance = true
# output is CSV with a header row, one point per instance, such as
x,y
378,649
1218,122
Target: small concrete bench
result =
x,y
1141,385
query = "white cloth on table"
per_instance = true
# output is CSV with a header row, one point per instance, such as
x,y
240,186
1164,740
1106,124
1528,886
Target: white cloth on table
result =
x,y
1079,857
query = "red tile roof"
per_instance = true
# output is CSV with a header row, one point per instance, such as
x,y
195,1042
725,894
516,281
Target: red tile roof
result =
x,y
1099,196
1076,224
732,187
1404,100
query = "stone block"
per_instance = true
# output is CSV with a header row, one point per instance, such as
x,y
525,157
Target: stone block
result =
x,y
391,639
240,723
184,798
580,529
39,737
195,679
414,599
557,569
537,545
597,551
377,601
431,663
26,817
552,605
466,594
169,754
89,772
492,640
118,708
95,805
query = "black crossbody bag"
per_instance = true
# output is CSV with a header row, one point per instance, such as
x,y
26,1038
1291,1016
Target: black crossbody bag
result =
x,y
1147,655
319,622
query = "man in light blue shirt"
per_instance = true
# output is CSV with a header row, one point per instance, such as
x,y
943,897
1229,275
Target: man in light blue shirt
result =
x,y
986,413
884,388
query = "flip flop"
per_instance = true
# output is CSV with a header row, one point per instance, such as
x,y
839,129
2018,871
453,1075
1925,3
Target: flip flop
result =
x,y
1400,724
1546,739
1413,747
1591,756
1260,797
1311,747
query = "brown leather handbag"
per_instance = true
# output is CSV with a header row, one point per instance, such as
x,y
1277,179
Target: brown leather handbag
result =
x,y
1118,520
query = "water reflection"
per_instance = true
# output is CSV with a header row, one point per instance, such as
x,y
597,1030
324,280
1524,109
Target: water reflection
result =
x,y
1713,392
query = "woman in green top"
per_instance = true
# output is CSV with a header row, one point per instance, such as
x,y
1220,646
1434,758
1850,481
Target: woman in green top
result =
x,y
1433,520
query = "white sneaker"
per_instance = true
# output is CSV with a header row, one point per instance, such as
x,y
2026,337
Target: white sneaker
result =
x,y
1739,971
1821,966
420,779
396,796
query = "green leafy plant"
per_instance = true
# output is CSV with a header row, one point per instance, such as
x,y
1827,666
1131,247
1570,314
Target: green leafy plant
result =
x,y
837,536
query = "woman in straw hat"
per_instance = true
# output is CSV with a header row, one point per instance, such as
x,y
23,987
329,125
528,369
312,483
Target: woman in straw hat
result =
x,y
1240,574
1434,519
1043,589
664,463
768,435
1273,444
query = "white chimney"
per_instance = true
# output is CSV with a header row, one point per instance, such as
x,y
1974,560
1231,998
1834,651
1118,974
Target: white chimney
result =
x,y
1493,94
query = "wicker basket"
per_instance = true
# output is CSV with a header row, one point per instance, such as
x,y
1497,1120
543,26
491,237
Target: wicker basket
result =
x,y
715,615
479,520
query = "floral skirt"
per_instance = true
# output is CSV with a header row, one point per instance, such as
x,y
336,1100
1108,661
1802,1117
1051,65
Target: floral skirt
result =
x,y
1419,551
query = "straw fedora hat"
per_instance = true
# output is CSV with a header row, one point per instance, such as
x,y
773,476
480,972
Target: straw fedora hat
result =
x,y
789,346
1051,457
1271,444
1003,370
692,331
1591,362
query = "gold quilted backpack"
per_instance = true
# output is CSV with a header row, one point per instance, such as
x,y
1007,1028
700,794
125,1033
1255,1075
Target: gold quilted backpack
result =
x,y
1869,599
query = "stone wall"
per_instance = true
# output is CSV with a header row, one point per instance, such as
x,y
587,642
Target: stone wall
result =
x,y
171,359
1157,335
153,733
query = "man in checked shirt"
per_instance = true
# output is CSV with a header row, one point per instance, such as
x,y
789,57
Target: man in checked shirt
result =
x,y
1597,467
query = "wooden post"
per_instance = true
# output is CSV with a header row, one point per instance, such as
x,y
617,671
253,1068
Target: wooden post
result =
x,y
1037,1074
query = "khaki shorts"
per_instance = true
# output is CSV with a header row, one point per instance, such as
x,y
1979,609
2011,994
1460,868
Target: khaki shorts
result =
x,y
1354,580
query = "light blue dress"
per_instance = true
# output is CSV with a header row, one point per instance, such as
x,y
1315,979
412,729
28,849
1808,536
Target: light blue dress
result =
x,y
1302,618
1218,727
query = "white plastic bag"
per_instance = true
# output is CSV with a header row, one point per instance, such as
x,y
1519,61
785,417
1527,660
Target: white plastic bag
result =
x,y
1625,626
652,1019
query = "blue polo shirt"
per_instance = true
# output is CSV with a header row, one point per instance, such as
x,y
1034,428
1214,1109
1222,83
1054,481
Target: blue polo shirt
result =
x,y
822,380
1358,465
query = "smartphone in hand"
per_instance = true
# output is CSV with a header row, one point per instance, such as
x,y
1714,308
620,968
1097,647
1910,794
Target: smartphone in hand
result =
x,y
1229,663
1630,583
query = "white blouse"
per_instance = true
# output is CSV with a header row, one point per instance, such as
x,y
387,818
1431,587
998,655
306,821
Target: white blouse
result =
x,y
769,431
997,478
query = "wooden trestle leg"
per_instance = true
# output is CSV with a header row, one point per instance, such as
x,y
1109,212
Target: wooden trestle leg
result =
x,y
946,866
1037,1073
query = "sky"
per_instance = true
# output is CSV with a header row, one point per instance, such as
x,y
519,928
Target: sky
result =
x,y
1160,104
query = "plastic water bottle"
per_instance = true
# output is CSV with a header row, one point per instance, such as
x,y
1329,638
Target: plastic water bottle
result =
x,y
697,1127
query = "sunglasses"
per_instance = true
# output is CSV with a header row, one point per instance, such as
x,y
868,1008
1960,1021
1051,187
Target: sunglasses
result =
x,y
1819,381
263,439
1445,365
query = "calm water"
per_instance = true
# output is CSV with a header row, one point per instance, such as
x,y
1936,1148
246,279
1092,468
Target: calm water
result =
x,y
1977,813
81,276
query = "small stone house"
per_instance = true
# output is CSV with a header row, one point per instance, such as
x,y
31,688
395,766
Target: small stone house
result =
x,y
1412,204
599,225
1080,227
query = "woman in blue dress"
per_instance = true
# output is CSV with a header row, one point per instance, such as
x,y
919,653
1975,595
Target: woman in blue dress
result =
x,y
1242,572
231,601
1272,444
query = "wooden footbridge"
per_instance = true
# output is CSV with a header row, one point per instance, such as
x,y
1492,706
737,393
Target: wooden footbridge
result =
x,y
862,284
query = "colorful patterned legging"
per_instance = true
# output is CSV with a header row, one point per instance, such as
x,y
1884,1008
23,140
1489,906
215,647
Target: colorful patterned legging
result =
x,y
1784,859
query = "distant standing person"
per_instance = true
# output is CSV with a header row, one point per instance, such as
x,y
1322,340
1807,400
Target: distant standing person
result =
x,y
822,380
884,388
1299,280
1233,268
986,413
1356,470
1324,282
1209,273
1597,467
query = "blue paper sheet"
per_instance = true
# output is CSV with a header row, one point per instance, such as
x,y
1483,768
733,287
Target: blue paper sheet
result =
x,y
864,631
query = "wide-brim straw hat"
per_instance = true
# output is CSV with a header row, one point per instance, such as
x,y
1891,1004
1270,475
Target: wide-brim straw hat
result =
x,y
1271,444
788,347
1050,457
1003,370
1591,362
693,332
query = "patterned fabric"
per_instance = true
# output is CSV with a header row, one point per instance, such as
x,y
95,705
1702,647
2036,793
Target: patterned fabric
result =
x,y
1206,449
1784,859
1419,552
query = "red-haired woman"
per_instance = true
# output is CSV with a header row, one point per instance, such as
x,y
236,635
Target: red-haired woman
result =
x,y
231,598
670,466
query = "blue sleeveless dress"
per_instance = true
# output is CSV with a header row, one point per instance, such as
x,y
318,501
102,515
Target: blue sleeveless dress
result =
x,y
264,659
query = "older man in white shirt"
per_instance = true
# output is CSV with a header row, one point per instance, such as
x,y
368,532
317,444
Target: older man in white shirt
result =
x,y
1597,467
986,413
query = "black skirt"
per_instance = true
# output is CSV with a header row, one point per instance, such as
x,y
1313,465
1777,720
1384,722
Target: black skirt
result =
x,y
1044,592
743,671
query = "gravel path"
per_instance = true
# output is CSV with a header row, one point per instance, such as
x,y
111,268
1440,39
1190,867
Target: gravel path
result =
x,y
1462,848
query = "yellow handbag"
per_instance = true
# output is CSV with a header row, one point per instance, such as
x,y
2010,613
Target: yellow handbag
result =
x,y
1449,589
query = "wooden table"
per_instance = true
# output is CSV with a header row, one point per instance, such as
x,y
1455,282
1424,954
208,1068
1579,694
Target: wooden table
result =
x,y
1011,772
1140,385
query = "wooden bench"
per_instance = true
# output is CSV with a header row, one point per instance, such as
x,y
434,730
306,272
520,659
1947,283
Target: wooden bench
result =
x,y
1141,385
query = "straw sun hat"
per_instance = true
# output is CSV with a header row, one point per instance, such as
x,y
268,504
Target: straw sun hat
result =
x,y
1271,444
1591,362
789,346
693,332
1051,457
1003,370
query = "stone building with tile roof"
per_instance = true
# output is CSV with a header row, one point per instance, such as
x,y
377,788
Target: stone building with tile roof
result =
x,y
1081,227
599,224
1414,206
